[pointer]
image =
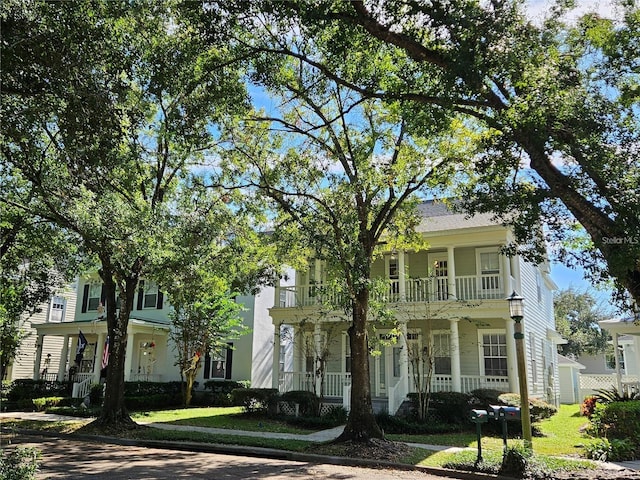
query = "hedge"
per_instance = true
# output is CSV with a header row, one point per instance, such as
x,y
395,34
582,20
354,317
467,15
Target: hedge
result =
x,y
255,399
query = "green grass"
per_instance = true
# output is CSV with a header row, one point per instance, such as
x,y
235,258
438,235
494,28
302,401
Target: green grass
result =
x,y
561,435
218,417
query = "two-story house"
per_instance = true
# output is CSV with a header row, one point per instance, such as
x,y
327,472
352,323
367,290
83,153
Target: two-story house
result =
x,y
150,354
448,302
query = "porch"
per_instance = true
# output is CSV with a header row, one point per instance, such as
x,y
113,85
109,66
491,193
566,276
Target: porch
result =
x,y
414,290
335,387
146,343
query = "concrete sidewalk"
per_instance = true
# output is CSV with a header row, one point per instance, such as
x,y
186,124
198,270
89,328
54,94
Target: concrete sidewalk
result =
x,y
320,436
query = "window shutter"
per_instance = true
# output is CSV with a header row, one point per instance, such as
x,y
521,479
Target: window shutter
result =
x,y
160,299
85,298
103,295
140,294
207,366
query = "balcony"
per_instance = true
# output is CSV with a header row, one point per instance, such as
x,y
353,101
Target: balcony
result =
x,y
416,290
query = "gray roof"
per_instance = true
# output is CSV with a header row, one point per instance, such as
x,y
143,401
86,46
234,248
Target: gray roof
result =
x,y
567,362
437,216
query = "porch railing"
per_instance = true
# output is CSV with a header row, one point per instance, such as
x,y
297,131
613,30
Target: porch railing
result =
x,y
589,383
333,385
82,385
336,384
429,289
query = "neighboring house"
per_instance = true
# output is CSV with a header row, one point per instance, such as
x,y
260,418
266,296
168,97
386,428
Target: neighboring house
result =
x,y
569,376
605,371
450,297
32,352
150,355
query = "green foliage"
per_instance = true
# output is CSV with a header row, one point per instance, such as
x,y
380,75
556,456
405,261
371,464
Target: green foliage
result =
x,y
308,401
619,420
483,397
140,389
515,462
19,463
392,424
451,407
539,409
26,389
614,450
153,401
221,392
335,417
42,404
608,395
255,399
577,316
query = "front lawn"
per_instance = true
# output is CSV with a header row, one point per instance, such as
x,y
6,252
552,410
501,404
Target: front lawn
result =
x,y
218,417
561,435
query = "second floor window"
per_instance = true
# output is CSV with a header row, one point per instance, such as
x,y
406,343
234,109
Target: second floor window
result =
x,y
56,313
149,295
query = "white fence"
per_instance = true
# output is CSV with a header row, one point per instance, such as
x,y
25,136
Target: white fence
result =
x,y
589,383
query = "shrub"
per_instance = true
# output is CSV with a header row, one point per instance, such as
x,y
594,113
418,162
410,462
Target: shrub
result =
x,y
308,401
75,412
43,403
155,401
139,389
335,417
515,462
95,394
483,397
617,420
451,407
255,399
19,464
588,406
394,424
220,395
27,389
614,450
539,409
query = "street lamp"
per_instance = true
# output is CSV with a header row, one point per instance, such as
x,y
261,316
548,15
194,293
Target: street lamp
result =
x,y
516,311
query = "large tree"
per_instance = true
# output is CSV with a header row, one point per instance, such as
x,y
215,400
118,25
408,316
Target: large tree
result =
x,y
343,177
105,128
577,316
556,107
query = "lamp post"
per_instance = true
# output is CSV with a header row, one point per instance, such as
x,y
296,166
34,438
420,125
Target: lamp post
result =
x,y
516,311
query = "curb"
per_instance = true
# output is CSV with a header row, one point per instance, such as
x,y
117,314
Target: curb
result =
x,y
261,452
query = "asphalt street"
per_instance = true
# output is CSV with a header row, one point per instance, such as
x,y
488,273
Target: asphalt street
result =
x,y
71,459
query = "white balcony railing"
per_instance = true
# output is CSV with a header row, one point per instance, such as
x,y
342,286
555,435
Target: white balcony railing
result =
x,y
429,289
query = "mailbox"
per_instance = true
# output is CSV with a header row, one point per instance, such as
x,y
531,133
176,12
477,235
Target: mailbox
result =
x,y
479,416
509,413
494,411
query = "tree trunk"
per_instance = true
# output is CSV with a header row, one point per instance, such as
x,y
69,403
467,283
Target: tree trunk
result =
x,y
361,425
114,415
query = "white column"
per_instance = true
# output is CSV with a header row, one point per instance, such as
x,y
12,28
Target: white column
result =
x,y
97,363
401,277
512,360
64,357
317,339
451,277
636,341
404,359
275,371
456,376
516,274
128,359
506,275
38,359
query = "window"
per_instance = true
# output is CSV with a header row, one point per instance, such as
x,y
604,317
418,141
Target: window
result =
x,y
494,354
56,312
347,355
150,295
489,269
93,299
218,364
283,352
442,353
394,276
611,361
534,356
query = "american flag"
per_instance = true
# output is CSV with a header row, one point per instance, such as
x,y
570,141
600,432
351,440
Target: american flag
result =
x,y
105,354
